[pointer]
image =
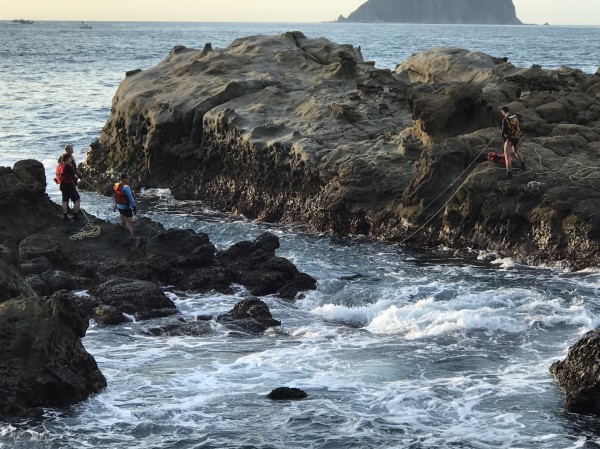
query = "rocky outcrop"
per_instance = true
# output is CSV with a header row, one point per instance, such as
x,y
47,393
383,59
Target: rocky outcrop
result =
x,y
249,315
287,394
501,12
579,376
122,273
42,360
294,130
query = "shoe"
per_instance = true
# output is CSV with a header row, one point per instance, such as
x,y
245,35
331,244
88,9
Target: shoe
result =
x,y
76,217
508,175
66,217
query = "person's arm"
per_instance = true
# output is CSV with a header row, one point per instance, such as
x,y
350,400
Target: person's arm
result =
x,y
504,127
127,191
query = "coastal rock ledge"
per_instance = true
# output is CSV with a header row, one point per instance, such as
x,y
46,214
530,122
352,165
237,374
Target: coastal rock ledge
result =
x,y
288,129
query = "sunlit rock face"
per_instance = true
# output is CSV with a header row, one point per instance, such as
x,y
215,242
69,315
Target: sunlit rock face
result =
x,y
287,129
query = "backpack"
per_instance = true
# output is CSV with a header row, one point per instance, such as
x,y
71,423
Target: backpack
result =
x,y
120,196
513,126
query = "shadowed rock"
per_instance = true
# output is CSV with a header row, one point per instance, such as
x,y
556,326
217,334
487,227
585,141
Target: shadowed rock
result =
x,y
42,360
287,394
249,315
578,375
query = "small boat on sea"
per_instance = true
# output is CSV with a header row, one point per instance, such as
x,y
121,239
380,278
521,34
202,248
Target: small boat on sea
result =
x,y
23,21
85,26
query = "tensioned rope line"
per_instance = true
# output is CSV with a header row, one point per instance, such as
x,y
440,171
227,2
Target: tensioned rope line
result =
x,y
446,189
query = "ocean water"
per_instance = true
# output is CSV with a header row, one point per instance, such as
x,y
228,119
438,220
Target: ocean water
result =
x,y
396,348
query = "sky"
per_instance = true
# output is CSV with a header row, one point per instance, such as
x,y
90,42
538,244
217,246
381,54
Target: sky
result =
x,y
555,12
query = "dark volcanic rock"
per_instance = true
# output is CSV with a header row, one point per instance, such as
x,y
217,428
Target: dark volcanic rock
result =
x,y
287,394
42,360
249,315
255,266
141,299
501,12
579,375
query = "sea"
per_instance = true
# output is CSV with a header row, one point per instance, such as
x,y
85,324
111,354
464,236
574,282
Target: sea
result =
x,y
398,347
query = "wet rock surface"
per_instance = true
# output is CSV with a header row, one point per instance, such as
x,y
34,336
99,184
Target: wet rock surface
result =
x,y
579,376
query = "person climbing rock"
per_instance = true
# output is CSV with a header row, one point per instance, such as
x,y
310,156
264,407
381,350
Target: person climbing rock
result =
x,y
511,134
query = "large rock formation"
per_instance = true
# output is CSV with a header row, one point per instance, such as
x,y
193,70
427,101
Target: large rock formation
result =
x,y
579,375
42,360
436,11
295,130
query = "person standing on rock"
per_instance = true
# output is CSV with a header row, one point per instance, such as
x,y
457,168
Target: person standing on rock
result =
x,y
511,133
70,159
66,176
125,202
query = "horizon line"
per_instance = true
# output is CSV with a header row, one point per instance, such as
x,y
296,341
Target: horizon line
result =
x,y
283,22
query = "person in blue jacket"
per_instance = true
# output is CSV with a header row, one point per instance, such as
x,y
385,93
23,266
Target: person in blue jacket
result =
x,y
125,202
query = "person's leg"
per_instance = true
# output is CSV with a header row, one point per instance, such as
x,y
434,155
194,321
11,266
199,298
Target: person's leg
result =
x,y
508,149
65,201
519,155
76,203
128,225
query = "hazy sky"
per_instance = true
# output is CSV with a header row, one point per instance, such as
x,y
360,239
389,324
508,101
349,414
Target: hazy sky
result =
x,y
558,12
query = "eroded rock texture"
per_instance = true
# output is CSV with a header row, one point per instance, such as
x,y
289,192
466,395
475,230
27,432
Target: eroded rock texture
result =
x,y
579,374
295,130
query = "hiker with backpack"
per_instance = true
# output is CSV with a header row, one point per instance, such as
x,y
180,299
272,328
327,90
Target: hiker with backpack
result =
x,y
511,133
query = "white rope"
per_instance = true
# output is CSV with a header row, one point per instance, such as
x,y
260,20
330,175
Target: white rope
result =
x,y
576,175
446,189
88,231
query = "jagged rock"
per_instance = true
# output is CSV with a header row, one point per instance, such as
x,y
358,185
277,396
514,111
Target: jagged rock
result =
x,y
12,284
199,328
287,394
141,299
249,315
255,265
43,362
436,11
38,245
294,130
181,248
35,266
578,374
108,315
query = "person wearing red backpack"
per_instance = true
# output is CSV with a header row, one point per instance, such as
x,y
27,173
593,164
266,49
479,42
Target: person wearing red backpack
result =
x,y
67,178
125,202
511,134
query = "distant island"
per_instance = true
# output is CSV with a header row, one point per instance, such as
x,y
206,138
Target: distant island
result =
x,y
498,12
